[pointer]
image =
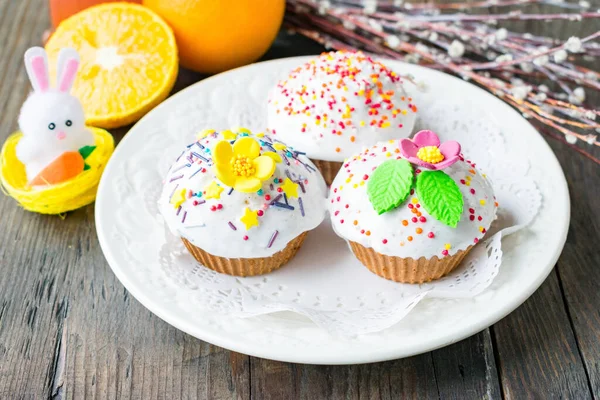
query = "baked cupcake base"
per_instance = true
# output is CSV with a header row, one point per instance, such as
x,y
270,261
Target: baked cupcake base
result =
x,y
246,266
407,270
328,169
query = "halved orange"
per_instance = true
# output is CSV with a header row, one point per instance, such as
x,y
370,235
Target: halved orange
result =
x,y
128,61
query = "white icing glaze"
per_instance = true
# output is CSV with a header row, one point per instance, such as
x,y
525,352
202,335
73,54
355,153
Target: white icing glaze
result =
x,y
330,94
348,203
210,229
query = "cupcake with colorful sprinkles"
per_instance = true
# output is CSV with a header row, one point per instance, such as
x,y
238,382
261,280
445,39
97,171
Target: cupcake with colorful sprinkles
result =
x,y
335,105
241,203
411,210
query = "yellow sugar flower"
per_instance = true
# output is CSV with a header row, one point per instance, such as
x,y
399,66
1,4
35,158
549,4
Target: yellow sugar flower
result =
x,y
241,166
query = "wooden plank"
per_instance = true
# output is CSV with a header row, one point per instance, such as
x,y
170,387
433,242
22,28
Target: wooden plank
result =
x,y
467,369
554,348
463,370
579,265
23,29
537,351
29,326
412,377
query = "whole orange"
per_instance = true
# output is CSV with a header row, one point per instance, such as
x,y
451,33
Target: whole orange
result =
x,y
61,9
217,35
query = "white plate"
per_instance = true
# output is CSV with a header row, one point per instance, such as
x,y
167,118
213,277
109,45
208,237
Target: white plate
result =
x,y
528,258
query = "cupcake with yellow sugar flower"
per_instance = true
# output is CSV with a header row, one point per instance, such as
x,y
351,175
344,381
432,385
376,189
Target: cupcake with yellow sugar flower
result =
x,y
242,203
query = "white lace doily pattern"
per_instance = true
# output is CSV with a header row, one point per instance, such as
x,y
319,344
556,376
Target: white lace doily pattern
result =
x,y
331,287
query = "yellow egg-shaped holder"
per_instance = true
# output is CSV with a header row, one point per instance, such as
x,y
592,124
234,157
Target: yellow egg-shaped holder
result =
x,y
62,197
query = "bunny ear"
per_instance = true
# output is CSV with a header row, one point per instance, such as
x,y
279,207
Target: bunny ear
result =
x,y
68,62
36,64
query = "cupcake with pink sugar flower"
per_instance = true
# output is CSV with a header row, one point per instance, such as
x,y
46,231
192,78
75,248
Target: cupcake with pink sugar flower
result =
x,y
411,209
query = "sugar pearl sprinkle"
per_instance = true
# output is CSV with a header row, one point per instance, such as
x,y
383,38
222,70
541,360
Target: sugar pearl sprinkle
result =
x,y
340,92
409,230
282,192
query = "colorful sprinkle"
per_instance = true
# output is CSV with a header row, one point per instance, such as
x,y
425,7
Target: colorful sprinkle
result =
x,y
273,237
200,157
282,205
199,169
301,206
276,199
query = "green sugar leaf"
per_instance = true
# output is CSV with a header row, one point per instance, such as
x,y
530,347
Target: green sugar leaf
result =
x,y
86,167
440,197
390,185
85,151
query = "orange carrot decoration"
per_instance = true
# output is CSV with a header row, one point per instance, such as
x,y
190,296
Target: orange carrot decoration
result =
x,y
67,166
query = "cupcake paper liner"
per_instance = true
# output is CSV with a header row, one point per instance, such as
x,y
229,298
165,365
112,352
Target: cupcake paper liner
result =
x,y
329,169
407,270
246,266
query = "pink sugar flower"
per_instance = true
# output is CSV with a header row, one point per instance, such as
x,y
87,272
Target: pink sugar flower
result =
x,y
425,150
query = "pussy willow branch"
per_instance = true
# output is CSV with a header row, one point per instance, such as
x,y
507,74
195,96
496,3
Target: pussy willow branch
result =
x,y
492,17
508,64
409,6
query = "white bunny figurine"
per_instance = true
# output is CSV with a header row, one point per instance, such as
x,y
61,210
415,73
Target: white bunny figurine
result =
x,y
51,119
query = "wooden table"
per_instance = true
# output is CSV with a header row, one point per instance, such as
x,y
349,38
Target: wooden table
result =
x,y
69,329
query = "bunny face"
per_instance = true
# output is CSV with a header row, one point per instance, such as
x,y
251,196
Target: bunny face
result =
x,y
52,118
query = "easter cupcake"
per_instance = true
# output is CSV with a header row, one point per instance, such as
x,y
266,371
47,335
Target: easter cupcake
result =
x,y
411,210
338,103
241,203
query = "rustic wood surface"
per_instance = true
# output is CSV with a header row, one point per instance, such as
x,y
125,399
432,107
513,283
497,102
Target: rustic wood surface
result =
x,y
69,329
